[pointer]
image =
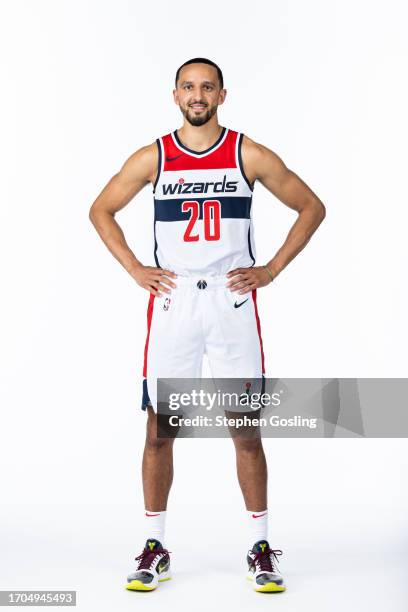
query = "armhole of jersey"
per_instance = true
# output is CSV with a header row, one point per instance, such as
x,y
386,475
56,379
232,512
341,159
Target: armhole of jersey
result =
x,y
239,160
159,163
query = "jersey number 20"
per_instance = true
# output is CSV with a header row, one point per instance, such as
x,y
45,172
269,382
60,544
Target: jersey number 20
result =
x,y
211,218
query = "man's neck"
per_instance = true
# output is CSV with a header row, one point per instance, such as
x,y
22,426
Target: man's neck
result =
x,y
201,137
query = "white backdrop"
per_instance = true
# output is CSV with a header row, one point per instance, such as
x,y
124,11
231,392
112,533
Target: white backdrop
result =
x,y
86,83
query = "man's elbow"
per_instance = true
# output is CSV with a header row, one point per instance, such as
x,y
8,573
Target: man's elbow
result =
x,y
97,214
320,210
92,214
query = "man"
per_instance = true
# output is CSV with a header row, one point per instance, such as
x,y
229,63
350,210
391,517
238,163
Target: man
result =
x,y
203,288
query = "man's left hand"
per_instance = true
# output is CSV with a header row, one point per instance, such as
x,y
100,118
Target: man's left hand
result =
x,y
244,280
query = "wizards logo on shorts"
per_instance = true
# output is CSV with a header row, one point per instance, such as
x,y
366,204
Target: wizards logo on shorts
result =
x,y
247,394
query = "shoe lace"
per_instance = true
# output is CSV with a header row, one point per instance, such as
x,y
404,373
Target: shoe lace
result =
x,y
147,557
266,560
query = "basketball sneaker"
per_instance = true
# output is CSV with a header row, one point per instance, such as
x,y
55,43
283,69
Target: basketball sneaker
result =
x,y
153,566
262,570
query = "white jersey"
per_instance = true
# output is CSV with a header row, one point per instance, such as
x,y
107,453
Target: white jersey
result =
x,y
202,204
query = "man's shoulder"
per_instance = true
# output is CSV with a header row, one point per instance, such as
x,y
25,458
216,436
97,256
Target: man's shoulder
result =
x,y
146,154
252,151
250,143
148,150
142,163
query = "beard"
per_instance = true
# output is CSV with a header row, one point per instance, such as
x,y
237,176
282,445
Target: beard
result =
x,y
200,119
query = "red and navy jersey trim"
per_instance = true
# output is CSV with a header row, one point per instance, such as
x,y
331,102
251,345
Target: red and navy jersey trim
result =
x,y
177,157
159,164
241,165
213,146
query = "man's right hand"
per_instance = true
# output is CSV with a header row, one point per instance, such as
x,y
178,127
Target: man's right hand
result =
x,y
153,279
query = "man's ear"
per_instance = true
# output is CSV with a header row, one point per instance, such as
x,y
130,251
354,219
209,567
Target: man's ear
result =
x,y
175,96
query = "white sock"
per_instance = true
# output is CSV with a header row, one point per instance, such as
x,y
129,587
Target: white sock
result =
x,y
155,525
258,525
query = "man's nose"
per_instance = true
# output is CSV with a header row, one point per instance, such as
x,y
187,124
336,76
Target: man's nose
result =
x,y
198,94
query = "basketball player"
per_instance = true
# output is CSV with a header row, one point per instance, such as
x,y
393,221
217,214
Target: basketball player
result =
x,y
203,288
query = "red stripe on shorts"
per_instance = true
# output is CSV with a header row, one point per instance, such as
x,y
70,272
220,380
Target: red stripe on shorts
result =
x,y
149,323
258,324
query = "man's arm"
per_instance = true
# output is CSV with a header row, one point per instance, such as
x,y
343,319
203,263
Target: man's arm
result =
x,y
260,163
136,173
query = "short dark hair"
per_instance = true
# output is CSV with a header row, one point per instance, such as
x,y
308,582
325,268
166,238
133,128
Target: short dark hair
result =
x,y
202,60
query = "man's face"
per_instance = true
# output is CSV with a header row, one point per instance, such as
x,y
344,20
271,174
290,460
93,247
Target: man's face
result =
x,y
198,93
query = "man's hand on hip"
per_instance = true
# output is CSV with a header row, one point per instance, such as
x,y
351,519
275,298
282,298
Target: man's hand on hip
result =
x,y
244,280
153,279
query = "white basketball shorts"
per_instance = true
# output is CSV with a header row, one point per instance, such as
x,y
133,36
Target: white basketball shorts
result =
x,y
201,316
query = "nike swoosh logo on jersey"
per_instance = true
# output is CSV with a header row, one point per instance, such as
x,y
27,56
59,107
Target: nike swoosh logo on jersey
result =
x,y
238,305
152,514
258,515
173,158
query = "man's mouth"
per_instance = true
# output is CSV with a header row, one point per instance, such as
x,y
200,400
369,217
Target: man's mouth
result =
x,y
198,106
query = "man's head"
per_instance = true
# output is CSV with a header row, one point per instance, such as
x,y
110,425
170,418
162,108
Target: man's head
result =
x,y
199,90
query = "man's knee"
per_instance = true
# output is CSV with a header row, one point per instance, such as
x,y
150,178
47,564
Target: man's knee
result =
x,y
248,446
153,442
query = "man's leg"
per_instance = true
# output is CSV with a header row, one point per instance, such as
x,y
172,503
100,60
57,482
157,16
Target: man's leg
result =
x,y
252,472
157,472
157,466
252,476
173,349
234,349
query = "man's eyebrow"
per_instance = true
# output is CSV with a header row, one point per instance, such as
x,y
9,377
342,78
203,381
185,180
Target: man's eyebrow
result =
x,y
204,83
